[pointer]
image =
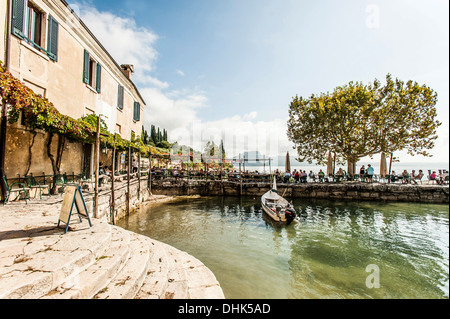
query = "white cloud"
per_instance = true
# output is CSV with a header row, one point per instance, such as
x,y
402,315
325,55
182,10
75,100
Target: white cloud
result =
x,y
177,110
127,42
171,113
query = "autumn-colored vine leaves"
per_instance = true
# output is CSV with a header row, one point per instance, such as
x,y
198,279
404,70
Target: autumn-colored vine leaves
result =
x,y
358,120
39,112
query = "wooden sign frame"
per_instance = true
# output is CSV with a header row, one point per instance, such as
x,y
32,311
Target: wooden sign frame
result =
x,y
73,197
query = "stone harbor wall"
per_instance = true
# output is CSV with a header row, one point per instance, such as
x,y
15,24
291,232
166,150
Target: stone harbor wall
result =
x,y
348,191
345,191
120,195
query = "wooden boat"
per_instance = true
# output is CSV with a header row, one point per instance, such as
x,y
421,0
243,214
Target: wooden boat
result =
x,y
276,207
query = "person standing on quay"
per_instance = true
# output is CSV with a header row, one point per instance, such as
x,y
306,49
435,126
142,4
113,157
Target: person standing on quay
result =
x,y
370,172
362,173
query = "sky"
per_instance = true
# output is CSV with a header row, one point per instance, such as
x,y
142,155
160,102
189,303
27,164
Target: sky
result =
x,y
228,69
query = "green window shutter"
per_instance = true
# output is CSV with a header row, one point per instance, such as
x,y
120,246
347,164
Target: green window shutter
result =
x,y
120,97
86,66
136,111
98,83
52,45
18,16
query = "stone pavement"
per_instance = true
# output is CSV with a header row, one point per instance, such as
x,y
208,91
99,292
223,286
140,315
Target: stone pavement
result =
x,y
39,261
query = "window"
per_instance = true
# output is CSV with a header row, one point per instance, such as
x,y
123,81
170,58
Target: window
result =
x,y
92,72
136,112
28,23
33,24
118,129
120,97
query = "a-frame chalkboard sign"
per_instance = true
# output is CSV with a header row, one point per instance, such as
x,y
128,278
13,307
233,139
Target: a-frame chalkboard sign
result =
x,y
73,197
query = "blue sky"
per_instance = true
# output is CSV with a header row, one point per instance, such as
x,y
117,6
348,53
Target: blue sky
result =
x,y
206,67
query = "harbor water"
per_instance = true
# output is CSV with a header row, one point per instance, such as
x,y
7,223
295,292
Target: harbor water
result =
x,y
335,250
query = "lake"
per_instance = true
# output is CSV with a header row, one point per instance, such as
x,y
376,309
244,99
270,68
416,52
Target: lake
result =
x,y
335,250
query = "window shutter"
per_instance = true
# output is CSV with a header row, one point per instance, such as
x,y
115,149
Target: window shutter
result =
x,y
52,45
120,97
17,23
87,61
136,111
98,83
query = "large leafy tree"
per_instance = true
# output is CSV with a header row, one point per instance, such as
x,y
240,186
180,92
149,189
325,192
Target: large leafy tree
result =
x,y
358,120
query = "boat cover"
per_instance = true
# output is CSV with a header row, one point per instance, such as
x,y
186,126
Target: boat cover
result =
x,y
272,196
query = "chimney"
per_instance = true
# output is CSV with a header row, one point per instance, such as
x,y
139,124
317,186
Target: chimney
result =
x,y
128,69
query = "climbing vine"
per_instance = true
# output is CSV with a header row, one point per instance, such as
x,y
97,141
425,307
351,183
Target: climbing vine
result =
x,y
39,113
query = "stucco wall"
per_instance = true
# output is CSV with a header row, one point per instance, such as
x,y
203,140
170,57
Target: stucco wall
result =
x,y
18,142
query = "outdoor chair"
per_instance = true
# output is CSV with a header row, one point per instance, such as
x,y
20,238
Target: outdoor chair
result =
x,y
36,186
61,181
18,188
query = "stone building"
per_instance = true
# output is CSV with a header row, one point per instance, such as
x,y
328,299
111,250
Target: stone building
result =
x,y
51,50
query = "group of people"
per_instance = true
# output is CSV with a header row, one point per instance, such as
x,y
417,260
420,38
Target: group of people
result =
x,y
414,178
299,176
441,178
366,174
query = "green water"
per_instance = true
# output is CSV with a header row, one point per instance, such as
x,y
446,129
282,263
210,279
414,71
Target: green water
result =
x,y
324,255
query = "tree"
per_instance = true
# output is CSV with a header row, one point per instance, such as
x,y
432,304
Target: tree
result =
x,y
211,150
153,137
144,136
222,151
358,120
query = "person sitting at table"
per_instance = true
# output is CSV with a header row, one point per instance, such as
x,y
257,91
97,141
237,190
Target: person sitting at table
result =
x,y
321,175
312,176
102,177
418,177
296,176
433,176
405,176
340,175
393,176
303,177
287,176
442,177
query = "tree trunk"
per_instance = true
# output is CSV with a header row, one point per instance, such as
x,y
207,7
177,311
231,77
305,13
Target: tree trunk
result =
x,y
351,165
3,152
30,153
56,164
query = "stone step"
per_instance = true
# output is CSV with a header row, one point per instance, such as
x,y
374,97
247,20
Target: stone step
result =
x,y
47,261
174,274
90,281
156,281
130,278
196,280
